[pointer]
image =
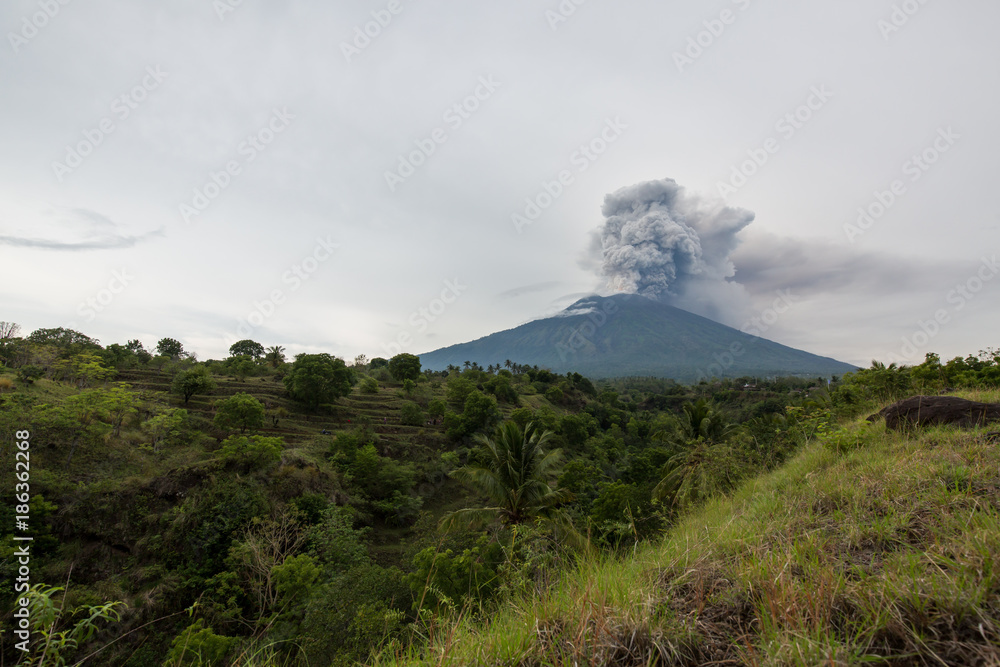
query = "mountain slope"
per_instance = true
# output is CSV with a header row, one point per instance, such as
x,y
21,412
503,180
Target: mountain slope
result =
x,y
626,335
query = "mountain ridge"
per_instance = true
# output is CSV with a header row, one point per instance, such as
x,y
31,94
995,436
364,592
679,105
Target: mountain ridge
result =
x,y
629,335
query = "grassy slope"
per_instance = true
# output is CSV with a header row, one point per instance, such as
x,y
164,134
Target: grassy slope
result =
x,y
888,547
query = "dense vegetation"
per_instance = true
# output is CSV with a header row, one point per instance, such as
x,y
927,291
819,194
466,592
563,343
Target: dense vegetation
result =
x,y
264,510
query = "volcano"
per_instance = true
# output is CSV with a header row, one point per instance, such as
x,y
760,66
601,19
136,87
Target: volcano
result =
x,y
630,335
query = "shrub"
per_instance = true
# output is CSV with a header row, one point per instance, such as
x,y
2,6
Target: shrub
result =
x,y
241,411
411,414
253,452
368,385
28,374
198,645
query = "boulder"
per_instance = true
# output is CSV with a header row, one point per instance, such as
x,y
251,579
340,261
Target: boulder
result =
x,y
930,410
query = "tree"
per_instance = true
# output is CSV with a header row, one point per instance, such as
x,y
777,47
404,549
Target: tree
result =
x,y
248,348
165,426
192,381
141,353
378,362
404,367
240,366
516,477
275,356
169,347
704,422
241,411
9,330
67,341
315,379
695,474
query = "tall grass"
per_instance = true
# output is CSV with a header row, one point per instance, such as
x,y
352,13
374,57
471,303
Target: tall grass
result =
x,y
867,546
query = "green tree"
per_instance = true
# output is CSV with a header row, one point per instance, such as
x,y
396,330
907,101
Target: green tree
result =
x,y
275,356
165,426
241,411
248,348
87,368
516,476
140,352
240,366
67,341
404,367
315,379
170,347
411,414
480,413
252,452
192,381
695,474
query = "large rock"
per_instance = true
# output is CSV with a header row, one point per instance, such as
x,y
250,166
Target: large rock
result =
x,y
930,410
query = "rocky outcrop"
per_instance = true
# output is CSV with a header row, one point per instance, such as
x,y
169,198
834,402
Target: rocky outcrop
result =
x,y
931,410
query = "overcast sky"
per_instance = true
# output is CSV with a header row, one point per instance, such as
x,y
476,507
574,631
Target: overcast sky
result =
x,y
241,169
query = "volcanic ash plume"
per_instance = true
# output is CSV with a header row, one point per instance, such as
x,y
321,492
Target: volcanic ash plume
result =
x,y
659,242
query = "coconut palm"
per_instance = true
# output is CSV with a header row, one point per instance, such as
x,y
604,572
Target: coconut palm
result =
x,y
516,478
275,355
702,467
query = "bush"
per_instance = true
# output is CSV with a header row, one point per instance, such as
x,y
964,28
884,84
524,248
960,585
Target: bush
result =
x,y
253,452
241,411
368,385
198,645
411,414
28,374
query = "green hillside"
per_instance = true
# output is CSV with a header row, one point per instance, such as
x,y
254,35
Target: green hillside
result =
x,y
264,511
629,335
867,547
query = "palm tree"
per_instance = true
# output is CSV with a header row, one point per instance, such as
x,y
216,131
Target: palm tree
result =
x,y
517,480
508,364
694,474
275,355
702,467
467,364
704,422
